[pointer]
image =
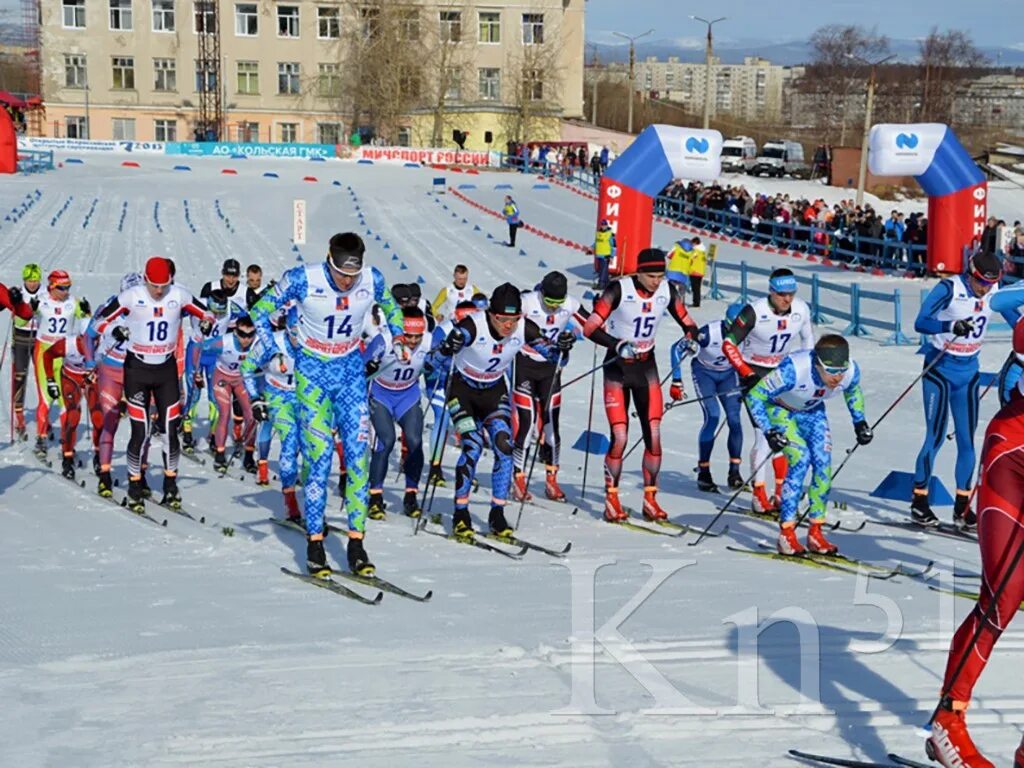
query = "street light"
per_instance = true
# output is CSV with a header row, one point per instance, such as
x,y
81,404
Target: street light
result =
x,y
632,61
707,68
862,172
595,65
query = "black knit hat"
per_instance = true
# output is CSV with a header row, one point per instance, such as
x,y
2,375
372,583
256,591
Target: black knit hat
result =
x,y
506,300
651,260
345,252
986,266
832,351
554,286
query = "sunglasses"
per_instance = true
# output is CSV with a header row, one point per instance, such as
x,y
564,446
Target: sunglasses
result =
x,y
835,370
245,334
506,319
553,302
60,287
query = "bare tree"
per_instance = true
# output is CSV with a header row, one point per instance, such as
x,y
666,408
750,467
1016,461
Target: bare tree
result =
x,y
445,55
947,59
534,81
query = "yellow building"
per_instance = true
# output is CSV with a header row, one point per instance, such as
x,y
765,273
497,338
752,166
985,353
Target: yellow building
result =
x,y
130,69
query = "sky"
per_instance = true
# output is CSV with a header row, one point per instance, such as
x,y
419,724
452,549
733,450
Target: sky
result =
x,y
990,22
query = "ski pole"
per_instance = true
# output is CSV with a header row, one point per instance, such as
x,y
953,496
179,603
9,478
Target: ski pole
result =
x,y
725,507
592,371
540,433
670,406
952,433
590,422
444,437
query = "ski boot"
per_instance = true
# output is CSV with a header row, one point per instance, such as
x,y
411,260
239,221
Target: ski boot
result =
x,y
921,512
788,543
613,511
188,446
41,448
291,506
963,516
106,485
735,479
316,558
551,488
499,525
436,476
172,496
652,510
950,744
375,510
20,430
147,492
410,505
817,543
705,482
462,525
67,467
249,462
760,504
220,463
358,561
96,463
136,501
519,489
262,473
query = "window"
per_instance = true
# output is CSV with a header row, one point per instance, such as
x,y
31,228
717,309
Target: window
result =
x,y
165,130
163,15
409,25
534,82
328,24
328,133
490,27
405,136
124,72
248,77
490,84
249,132
75,127
287,21
205,16
165,75
74,14
121,15
451,26
246,20
74,71
329,81
288,132
206,77
288,77
533,28
124,128
369,19
409,82
452,84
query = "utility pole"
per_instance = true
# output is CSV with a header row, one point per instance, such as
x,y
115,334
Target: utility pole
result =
x,y
708,80
862,172
632,61
594,67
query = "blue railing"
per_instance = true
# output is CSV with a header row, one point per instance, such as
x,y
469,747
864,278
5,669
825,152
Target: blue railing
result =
x,y
35,160
858,322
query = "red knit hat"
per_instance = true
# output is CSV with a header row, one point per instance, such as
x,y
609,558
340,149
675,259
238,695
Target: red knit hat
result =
x,y
158,271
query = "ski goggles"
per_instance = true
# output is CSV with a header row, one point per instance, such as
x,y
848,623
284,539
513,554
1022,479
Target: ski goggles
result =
x,y
986,280
63,285
782,284
245,334
834,370
506,319
553,302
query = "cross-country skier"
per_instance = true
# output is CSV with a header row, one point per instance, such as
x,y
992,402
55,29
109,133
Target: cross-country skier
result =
x,y
956,315
625,320
537,393
152,314
484,346
23,340
788,405
14,299
229,283
460,289
755,343
332,300
715,379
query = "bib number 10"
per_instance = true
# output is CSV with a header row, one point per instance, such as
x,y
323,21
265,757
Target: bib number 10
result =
x,y
157,330
342,327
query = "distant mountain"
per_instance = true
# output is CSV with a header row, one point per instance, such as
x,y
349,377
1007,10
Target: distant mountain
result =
x,y
786,53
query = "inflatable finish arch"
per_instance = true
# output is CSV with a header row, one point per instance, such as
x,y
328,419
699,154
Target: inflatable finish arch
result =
x,y
8,144
956,187
626,198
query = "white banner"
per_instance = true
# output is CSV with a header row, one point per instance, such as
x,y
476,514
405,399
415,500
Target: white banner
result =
x,y
426,156
299,222
89,145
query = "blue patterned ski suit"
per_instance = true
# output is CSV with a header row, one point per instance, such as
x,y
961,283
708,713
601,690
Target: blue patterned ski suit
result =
x,y
280,399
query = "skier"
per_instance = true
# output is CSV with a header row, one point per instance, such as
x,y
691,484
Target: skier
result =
x,y
459,290
332,300
511,213
230,275
713,376
625,320
1000,527
13,299
484,346
253,285
956,315
537,395
763,333
788,405
152,315
23,331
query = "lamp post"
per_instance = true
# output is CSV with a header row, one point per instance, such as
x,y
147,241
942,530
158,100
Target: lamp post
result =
x,y
595,64
863,170
632,60
707,68
88,126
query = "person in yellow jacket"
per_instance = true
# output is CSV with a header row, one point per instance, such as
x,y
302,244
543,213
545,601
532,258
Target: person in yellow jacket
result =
x,y
678,270
460,289
604,249
698,266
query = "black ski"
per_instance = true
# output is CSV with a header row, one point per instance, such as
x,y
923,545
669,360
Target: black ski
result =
x,y
942,529
325,582
299,526
387,586
772,517
841,761
123,503
515,540
41,458
192,456
908,762
473,541
178,510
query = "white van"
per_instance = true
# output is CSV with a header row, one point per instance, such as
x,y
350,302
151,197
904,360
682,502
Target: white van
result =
x,y
779,157
738,154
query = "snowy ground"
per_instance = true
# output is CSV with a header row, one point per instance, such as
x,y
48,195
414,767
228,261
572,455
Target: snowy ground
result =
x,y
125,644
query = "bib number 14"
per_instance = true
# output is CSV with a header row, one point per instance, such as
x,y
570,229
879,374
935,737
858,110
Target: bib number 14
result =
x,y
342,327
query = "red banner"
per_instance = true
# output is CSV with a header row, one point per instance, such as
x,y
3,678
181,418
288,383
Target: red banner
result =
x,y
421,156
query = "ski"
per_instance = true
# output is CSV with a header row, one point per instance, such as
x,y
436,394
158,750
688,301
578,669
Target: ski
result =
x,y
772,517
193,457
475,542
299,526
385,585
946,530
332,586
908,762
851,561
178,510
841,761
41,458
843,565
123,503
630,525
515,540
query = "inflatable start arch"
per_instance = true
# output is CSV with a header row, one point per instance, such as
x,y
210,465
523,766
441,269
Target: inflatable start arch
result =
x,y
658,155
8,144
956,187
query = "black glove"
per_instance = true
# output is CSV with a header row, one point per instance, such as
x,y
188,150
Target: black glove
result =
x,y
776,440
52,390
963,327
749,381
34,303
453,342
84,307
120,333
864,433
16,296
372,366
565,340
205,327
259,410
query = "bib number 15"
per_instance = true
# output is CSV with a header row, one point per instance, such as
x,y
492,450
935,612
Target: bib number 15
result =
x,y
643,327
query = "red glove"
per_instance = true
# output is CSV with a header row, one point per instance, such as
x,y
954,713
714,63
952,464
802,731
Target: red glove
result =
x,y
676,391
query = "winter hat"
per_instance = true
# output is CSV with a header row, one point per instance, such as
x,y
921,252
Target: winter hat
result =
x,y
833,351
464,308
158,271
554,286
345,253
59,279
650,260
986,267
231,267
506,300
31,273
413,321
401,292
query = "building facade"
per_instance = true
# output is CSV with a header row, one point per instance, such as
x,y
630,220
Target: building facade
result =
x,y
130,69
